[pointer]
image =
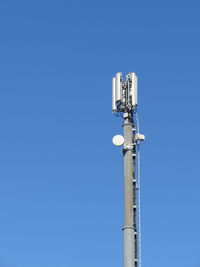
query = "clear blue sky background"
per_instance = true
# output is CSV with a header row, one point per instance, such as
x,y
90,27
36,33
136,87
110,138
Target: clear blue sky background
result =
x,y
61,185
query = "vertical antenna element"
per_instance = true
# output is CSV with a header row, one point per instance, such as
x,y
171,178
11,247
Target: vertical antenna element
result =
x,y
113,95
134,89
118,87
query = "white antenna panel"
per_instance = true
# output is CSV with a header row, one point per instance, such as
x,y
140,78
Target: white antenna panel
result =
x,y
113,95
118,86
134,89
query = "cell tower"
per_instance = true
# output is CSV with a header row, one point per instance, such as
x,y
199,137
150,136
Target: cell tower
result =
x,y
124,103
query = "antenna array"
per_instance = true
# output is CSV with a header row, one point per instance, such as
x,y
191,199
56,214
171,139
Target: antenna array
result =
x,y
124,93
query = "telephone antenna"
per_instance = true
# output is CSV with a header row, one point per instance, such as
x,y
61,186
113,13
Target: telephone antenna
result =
x,y
124,104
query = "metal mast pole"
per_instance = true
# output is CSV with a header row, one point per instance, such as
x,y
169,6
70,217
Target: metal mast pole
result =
x,y
124,101
130,234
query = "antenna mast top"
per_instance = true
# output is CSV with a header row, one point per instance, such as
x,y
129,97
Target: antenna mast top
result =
x,y
124,94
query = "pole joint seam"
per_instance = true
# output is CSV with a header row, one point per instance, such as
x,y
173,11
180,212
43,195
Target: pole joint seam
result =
x,y
129,227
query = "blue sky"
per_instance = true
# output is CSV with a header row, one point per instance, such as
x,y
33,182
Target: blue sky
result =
x,y
61,185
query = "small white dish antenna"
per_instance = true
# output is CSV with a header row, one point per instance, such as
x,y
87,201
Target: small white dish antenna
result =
x,y
118,140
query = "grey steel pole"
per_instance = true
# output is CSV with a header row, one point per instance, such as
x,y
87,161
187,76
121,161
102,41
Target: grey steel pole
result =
x,y
130,233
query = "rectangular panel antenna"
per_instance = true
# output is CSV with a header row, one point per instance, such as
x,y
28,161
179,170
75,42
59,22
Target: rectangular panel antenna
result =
x,y
113,95
118,80
134,89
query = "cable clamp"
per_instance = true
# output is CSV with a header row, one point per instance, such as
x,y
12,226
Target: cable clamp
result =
x,y
128,147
